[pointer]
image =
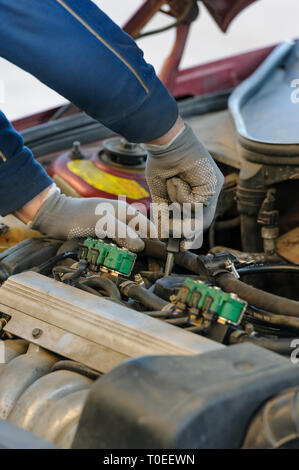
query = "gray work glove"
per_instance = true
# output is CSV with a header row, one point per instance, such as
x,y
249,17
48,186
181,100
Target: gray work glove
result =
x,y
63,217
184,172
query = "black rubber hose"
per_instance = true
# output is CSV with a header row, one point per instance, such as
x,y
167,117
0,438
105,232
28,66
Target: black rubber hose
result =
x,y
275,426
78,271
177,321
76,367
228,224
256,297
212,234
150,276
57,270
188,260
251,233
277,268
260,299
273,318
104,284
90,290
279,345
145,297
198,329
63,270
69,273
158,313
46,267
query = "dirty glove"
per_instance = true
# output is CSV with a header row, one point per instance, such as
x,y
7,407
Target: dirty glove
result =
x,y
184,172
65,217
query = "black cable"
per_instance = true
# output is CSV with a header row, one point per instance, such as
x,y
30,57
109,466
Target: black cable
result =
x,y
102,283
183,18
79,270
69,273
273,318
265,329
260,269
77,367
258,258
46,267
177,321
90,290
57,270
158,313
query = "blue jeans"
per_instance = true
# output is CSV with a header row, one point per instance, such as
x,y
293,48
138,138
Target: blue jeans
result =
x,y
74,48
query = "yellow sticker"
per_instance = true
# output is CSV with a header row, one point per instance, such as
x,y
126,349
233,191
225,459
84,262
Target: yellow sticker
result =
x,y
103,181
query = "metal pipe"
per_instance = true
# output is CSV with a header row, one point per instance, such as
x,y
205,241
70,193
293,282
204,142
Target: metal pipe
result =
x,y
13,348
56,421
43,393
66,440
20,373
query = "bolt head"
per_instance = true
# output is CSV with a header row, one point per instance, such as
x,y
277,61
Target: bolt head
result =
x,y
36,333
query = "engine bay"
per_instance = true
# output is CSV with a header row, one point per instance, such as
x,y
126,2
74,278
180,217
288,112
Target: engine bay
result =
x,y
81,320
71,312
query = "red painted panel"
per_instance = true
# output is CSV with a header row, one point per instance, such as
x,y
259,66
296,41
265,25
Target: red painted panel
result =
x,y
219,75
224,11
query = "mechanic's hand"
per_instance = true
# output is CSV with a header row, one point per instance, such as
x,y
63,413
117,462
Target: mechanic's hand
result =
x,y
65,217
184,172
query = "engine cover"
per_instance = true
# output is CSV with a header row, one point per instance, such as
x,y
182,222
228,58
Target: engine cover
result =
x,y
177,402
94,331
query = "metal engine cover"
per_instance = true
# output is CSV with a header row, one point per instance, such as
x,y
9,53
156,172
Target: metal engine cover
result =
x,y
94,331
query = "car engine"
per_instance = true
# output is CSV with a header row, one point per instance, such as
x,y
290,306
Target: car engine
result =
x,y
101,349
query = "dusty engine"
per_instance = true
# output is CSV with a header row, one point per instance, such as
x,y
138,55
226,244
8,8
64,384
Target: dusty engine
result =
x,y
72,312
101,350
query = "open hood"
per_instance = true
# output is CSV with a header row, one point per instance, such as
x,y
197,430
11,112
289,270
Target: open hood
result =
x,y
224,11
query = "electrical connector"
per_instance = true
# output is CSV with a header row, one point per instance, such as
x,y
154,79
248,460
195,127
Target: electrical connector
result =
x,y
198,297
107,255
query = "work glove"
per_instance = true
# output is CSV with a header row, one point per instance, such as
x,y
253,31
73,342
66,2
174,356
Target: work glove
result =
x,y
184,172
64,218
